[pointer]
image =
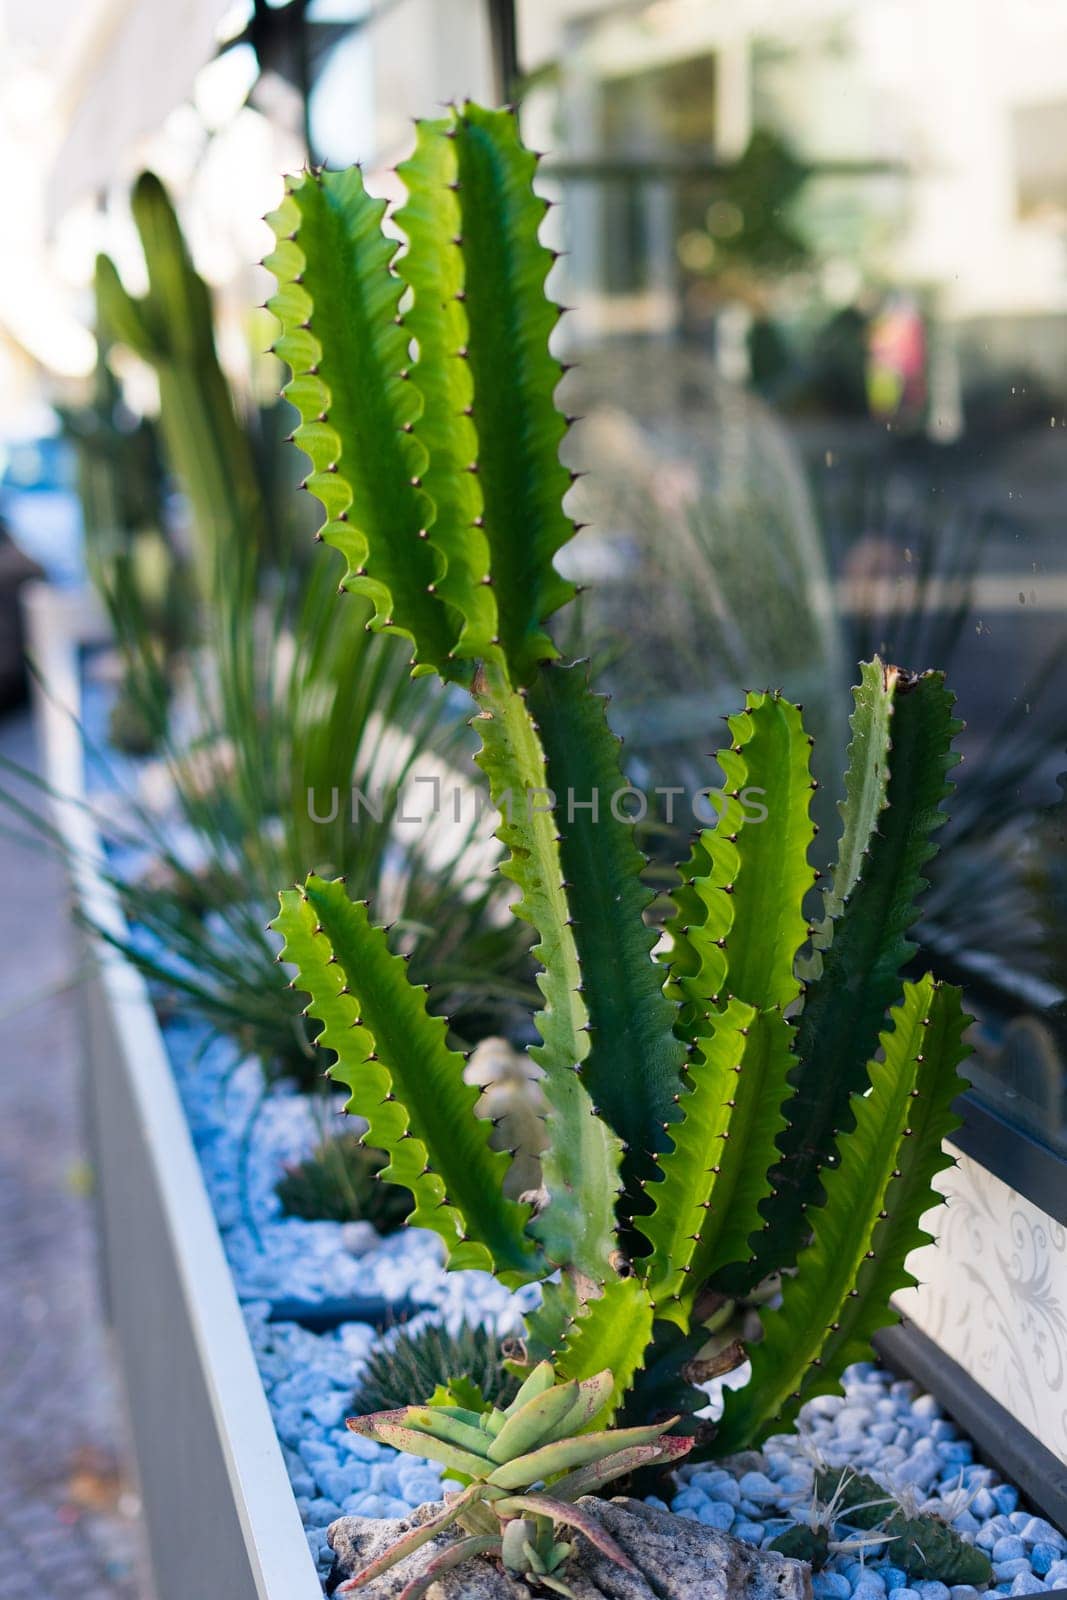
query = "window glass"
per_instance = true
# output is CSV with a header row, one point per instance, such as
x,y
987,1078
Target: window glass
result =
x,y
819,260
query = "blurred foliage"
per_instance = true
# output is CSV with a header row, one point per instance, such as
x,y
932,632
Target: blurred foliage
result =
x,y
341,1182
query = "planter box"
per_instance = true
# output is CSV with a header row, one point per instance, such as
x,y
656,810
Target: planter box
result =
x,y
220,1514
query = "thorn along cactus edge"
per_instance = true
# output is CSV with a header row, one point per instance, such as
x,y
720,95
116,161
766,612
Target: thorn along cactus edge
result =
x,y
770,1097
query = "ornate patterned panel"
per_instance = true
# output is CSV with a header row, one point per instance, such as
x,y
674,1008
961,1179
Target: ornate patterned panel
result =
x,y
993,1295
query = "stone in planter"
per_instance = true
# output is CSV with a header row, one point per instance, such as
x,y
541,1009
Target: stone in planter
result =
x,y
679,1560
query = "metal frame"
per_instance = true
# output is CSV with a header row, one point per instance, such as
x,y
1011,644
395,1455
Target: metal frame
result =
x,y
220,1513
1034,1170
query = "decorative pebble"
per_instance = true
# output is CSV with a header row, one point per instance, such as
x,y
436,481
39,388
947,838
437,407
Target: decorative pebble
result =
x,y
1043,1558
830,1586
1037,1531
1008,1548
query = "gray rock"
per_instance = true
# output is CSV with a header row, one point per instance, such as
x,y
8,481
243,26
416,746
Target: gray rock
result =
x,y
678,1560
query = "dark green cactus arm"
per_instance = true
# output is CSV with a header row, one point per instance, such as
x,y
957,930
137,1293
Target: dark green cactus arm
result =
x,y
432,267
632,1069
343,335
404,1080
707,1201
907,730
519,429
580,1168
869,1223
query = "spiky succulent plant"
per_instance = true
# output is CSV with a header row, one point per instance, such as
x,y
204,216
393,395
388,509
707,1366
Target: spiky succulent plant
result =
x,y
340,1182
436,1358
524,1467
924,1546
770,1097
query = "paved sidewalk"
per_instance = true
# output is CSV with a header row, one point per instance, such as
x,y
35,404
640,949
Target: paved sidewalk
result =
x,y
69,1522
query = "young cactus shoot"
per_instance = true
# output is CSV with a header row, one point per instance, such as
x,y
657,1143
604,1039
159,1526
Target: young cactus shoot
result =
x,y
525,1468
768,1097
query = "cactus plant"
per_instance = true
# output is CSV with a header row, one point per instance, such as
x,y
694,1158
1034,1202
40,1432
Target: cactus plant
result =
x,y
711,1119
525,1466
921,1544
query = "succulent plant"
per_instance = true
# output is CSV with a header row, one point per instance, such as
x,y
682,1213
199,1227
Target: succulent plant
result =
x,y
341,1182
524,1466
923,1545
432,1359
171,328
770,1096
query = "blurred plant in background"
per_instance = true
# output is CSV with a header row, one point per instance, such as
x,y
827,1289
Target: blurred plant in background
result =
x,y
287,734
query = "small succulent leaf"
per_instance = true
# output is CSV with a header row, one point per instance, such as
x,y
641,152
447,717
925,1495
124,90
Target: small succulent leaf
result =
x,y
358,409
591,1479
445,1425
464,1392
414,1443
410,1542
519,428
517,1543
533,1423
543,1505
481,1544
867,1224
540,1379
633,1066
748,921
580,1167
707,1201
593,1405
846,1004
611,1334
432,268
404,1080
560,1457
